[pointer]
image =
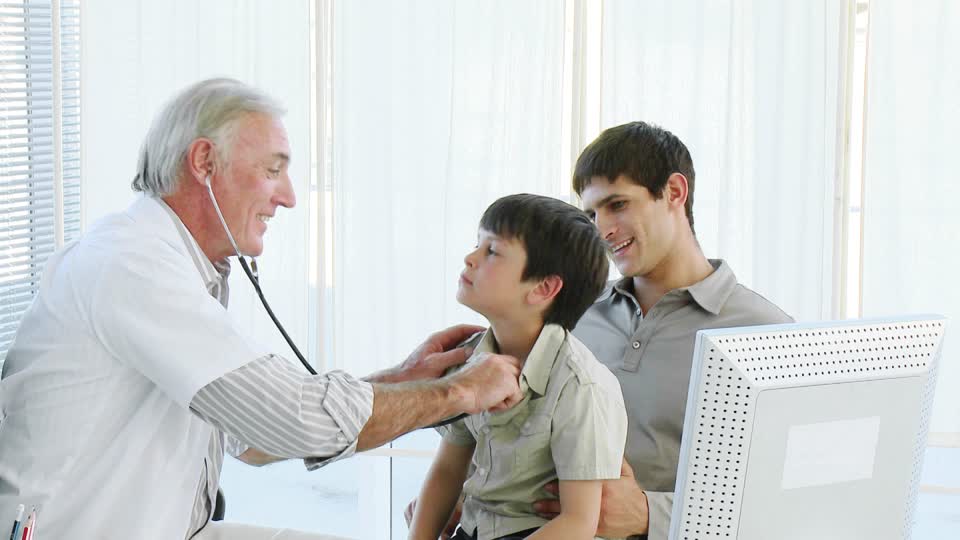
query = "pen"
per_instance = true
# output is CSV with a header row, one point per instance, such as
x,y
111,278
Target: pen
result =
x,y
27,527
33,522
16,523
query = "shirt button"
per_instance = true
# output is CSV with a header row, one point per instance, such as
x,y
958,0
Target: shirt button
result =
x,y
636,344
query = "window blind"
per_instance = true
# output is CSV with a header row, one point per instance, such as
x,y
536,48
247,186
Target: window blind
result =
x,y
39,146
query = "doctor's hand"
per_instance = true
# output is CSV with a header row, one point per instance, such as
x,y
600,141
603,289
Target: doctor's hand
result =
x,y
432,358
623,506
490,382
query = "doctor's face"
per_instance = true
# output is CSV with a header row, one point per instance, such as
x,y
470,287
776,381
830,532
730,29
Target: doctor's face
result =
x,y
255,180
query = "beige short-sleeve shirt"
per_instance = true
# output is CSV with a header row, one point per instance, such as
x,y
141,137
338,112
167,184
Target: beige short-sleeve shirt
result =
x,y
570,425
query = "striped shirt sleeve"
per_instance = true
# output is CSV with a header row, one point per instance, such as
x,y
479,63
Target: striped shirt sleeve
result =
x,y
271,405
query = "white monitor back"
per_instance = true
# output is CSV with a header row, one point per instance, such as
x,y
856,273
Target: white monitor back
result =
x,y
812,430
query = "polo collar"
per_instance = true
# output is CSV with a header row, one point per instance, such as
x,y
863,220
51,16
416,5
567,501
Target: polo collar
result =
x,y
710,293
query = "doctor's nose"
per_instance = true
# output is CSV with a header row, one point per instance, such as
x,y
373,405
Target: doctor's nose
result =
x,y
286,196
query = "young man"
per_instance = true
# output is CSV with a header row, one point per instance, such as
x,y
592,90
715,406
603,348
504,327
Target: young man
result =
x,y
538,265
636,182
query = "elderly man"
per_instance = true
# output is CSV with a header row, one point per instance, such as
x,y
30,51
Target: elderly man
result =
x,y
128,381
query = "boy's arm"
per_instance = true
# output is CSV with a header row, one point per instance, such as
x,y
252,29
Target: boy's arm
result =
x,y
580,503
440,490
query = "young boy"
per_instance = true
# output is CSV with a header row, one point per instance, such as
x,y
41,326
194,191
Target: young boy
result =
x,y
538,265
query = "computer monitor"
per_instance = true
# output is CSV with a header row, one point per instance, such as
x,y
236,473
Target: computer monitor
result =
x,y
811,430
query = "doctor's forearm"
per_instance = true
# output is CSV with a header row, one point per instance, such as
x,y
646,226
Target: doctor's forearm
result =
x,y
403,407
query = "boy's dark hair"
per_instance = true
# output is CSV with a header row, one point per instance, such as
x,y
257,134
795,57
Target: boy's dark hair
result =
x,y
560,240
644,153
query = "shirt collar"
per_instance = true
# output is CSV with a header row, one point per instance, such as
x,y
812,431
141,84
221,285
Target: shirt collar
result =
x,y
536,369
213,273
710,293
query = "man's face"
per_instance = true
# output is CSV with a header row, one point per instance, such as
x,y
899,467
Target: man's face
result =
x,y
256,180
638,229
491,283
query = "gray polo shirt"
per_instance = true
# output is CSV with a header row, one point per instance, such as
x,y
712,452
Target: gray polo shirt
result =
x,y
570,425
652,355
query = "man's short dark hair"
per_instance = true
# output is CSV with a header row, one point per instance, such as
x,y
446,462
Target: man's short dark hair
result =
x,y
560,240
644,153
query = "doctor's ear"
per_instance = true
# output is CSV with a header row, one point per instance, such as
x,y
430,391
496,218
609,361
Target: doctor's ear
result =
x,y
201,160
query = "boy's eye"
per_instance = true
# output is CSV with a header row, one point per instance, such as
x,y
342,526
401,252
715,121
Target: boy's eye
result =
x,y
490,250
618,205
274,172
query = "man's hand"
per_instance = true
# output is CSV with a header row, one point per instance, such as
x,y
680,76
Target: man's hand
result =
x,y
432,358
623,506
449,529
491,382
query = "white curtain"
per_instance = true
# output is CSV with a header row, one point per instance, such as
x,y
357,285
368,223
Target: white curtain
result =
x,y
755,90
911,187
439,108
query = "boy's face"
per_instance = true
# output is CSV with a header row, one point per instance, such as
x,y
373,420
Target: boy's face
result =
x,y
638,229
491,283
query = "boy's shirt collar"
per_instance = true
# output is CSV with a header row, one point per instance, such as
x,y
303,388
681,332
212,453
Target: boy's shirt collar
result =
x,y
536,369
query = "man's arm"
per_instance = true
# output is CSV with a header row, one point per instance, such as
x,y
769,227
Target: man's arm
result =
x,y
490,382
428,361
440,491
581,510
282,412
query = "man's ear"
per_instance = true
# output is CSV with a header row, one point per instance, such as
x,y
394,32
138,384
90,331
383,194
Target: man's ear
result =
x,y
201,160
546,290
676,191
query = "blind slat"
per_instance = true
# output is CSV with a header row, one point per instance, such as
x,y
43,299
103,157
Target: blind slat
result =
x,y
22,279
27,207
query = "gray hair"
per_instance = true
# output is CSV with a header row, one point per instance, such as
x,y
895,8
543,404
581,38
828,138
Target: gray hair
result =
x,y
208,109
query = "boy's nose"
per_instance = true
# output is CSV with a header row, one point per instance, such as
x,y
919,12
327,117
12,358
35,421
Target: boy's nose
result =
x,y
470,258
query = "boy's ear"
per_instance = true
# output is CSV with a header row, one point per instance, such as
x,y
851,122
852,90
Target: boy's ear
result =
x,y
546,290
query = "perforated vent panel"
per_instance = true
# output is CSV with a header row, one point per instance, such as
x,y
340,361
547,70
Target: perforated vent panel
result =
x,y
736,367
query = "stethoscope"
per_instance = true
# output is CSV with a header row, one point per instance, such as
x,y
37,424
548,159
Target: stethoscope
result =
x,y
251,271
